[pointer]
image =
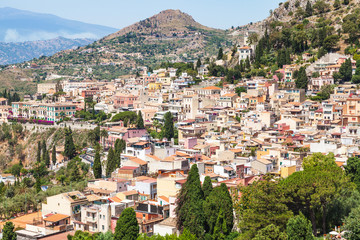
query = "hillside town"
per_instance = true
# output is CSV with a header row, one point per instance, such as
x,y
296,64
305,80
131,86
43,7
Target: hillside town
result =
x,y
235,133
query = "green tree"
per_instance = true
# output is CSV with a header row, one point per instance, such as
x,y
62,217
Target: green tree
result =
x,y
140,121
302,79
53,155
261,204
111,162
69,151
352,170
299,228
308,9
168,129
247,63
38,155
198,63
352,225
8,231
43,150
220,54
346,2
336,4
218,211
346,70
189,210
127,227
207,187
270,232
97,165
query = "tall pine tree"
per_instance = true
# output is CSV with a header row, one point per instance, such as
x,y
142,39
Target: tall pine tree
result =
x,y
127,227
97,165
207,187
69,144
111,162
139,121
43,150
38,155
168,129
189,210
53,155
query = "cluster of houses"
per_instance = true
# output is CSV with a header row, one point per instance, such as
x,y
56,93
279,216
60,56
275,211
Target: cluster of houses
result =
x,y
234,137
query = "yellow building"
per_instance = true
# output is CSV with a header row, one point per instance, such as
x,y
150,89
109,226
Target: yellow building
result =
x,y
169,186
154,86
287,171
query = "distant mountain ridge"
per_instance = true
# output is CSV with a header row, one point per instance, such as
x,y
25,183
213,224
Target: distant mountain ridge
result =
x,y
170,35
19,26
19,52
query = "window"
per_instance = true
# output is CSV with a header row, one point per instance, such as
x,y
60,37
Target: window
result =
x,y
103,227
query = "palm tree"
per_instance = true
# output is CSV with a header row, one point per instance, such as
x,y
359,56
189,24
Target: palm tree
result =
x,y
104,134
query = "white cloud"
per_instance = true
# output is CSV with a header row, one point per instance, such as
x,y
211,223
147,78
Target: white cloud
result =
x,y
12,35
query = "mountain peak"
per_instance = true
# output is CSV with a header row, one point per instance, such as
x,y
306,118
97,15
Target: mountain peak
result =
x,y
167,22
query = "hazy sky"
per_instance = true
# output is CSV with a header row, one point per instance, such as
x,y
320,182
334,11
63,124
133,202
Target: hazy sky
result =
x,y
119,13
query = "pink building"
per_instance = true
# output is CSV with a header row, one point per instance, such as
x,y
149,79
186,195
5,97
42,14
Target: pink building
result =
x,y
122,133
124,100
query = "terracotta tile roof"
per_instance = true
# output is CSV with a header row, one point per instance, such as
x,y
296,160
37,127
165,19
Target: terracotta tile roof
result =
x,y
166,199
211,88
56,217
138,161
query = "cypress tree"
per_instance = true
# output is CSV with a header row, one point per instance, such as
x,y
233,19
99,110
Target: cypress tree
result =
x,y
111,162
346,70
207,187
219,202
247,63
302,79
47,159
168,129
43,145
127,227
308,9
220,54
38,155
198,63
97,165
53,155
69,144
139,121
189,210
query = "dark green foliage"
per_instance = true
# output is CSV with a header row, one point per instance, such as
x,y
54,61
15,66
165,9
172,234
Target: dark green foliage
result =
x,y
140,121
127,227
120,146
8,231
271,232
308,9
43,150
336,4
346,70
218,211
220,54
168,129
299,228
346,2
313,190
247,63
53,155
38,155
352,170
198,63
111,162
302,79
207,187
189,210
261,204
321,52
352,225
97,165
239,90
331,42
127,117
69,151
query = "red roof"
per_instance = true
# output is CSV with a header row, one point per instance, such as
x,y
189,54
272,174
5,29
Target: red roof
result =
x,y
128,168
